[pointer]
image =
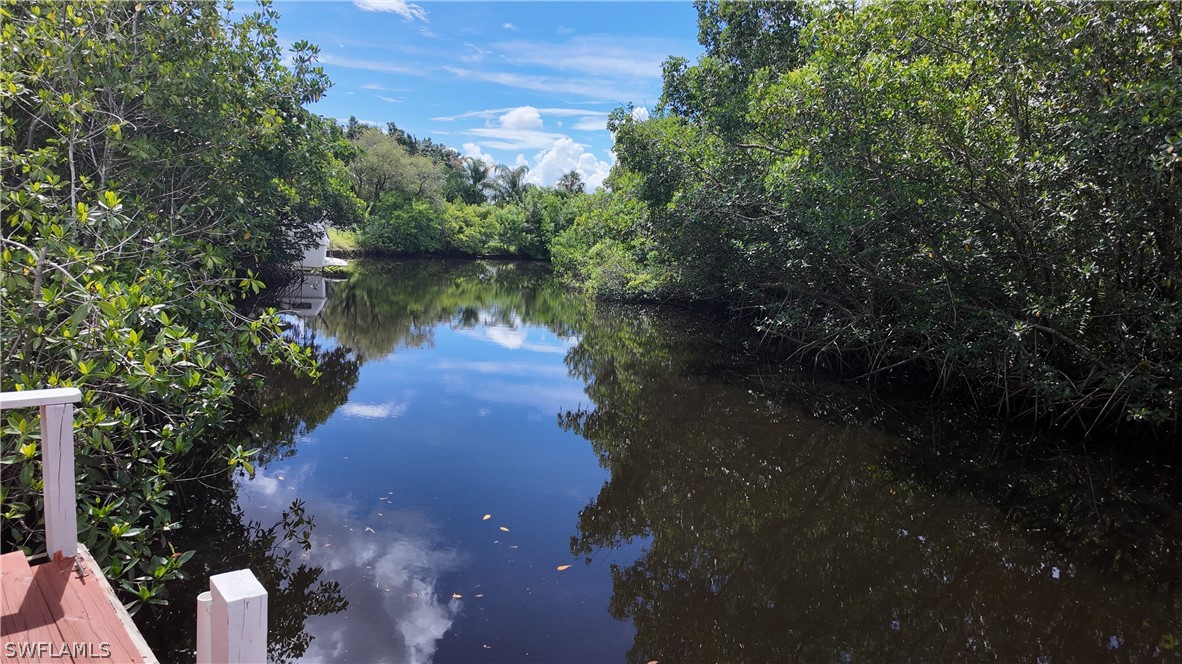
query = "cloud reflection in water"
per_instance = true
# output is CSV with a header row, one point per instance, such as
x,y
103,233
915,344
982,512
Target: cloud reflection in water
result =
x,y
390,565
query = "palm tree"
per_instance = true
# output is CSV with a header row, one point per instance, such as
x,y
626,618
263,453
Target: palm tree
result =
x,y
572,182
477,175
510,183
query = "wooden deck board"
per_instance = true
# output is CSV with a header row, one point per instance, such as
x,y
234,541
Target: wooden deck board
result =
x,y
26,618
51,603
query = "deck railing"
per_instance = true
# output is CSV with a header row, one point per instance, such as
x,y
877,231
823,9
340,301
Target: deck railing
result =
x,y
57,463
231,617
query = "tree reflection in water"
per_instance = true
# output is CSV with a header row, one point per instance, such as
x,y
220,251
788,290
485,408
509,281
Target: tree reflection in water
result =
x,y
216,527
386,305
778,535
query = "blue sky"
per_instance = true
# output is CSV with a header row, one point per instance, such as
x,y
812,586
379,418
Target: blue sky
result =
x,y
508,82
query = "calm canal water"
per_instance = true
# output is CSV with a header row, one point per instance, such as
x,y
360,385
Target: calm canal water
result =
x,y
492,469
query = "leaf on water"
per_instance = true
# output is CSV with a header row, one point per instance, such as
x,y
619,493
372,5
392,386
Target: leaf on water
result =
x,y
486,517
504,529
653,662
479,596
486,647
412,595
368,529
512,546
456,595
563,568
282,477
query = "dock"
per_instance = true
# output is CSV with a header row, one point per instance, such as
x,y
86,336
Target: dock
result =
x,y
65,610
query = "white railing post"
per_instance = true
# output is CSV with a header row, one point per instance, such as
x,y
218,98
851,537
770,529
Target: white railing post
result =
x,y
204,635
57,463
237,620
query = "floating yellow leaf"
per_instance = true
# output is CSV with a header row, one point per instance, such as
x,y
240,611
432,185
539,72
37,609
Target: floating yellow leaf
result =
x,y
486,517
563,568
504,529
653,662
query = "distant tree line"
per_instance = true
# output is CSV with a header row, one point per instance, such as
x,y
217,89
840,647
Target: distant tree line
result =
x,y
422,197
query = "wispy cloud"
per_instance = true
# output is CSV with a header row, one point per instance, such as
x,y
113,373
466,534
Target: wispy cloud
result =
x,y
370,65
548,370
497,112
597,55
594,88
500,138
372,86
478,56
591,124
391,100
509,26
403,8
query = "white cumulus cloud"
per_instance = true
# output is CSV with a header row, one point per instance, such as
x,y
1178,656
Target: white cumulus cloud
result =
x,y
473,150
522,117
563,156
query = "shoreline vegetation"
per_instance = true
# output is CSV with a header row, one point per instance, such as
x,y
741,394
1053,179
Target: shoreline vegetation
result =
x,y
980,197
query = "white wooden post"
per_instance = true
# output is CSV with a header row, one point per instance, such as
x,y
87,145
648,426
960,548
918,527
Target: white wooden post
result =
x,y
237,619
57,463
204,635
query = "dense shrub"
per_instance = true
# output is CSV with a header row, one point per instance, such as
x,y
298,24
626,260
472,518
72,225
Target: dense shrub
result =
x,y
986,193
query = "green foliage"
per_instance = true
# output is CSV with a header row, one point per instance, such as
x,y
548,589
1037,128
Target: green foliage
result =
x,y
983,192
605,250
152,155
524,228
404,226
384,164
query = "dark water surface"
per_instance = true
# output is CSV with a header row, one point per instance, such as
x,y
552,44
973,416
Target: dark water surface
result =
x,y
710,509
